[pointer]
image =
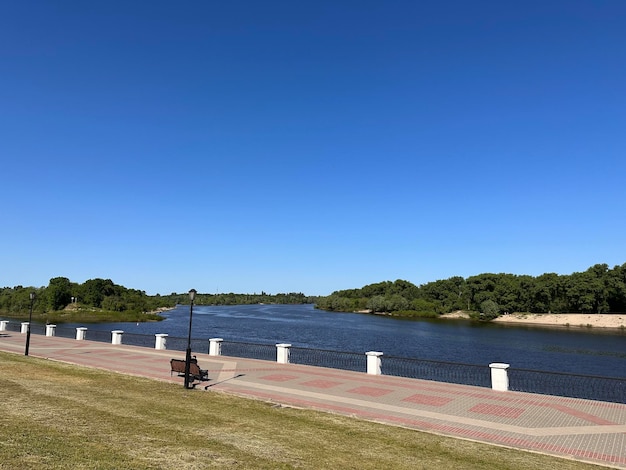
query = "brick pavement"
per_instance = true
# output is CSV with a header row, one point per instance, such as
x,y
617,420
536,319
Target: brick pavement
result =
x,y
585,430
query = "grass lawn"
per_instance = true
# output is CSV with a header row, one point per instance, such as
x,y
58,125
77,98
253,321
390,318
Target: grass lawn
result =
x,y
59,416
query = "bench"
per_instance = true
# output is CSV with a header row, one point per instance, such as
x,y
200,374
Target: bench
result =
x,y
195,373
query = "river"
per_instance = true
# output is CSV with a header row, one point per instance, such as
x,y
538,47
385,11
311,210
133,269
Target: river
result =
x,y
573,350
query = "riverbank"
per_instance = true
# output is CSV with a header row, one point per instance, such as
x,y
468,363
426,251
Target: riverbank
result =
x,y
79,314
597,320
160,310
582,320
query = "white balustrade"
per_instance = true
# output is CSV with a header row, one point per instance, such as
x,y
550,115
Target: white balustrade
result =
x,y
282,353
161,341
215,346
499,376
116,336
374,362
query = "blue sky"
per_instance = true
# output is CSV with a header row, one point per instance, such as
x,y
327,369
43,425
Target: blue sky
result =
x,y
309,146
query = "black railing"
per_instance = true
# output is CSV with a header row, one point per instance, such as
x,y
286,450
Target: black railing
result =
x,y
265,352
14,326
440,371
134,339
98,335
591,387
327,358
37,329
176,343
65,332
611,389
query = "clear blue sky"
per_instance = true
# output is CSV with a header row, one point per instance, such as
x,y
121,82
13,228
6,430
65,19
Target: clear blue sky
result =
x,y
309,146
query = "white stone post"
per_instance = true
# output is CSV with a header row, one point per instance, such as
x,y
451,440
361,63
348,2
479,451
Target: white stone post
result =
x,y
374,362
80,333
282,353
24,327
116,336
50,330
215,346
3,325
499,376
161,341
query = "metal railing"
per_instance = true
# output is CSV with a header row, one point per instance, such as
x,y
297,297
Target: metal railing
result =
x,y
265,352
65,332
591,387
13,326
439,371
327,358
611,389
98,335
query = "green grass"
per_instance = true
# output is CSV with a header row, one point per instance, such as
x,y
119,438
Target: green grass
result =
x,y
59,416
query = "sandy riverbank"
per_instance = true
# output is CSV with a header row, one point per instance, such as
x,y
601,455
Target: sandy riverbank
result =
x,y
160,310
598,320
553,319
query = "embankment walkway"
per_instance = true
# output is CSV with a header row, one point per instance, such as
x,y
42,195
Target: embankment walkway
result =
x,y
585,430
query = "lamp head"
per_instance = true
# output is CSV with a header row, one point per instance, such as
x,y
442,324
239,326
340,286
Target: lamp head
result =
x,y
192,294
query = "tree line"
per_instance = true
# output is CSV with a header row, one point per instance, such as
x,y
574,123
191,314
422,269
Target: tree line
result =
x,y
599,289
104,294
95,293
239,299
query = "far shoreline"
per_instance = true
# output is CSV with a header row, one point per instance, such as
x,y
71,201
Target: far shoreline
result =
x,y
565,320
583,320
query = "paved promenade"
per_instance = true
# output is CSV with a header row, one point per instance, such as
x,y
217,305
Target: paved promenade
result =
x,y
585,430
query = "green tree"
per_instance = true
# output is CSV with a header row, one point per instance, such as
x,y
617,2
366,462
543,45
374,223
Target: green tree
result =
x,y
59,293
93,291
396,302
546,293
489,309
617,289
481,288
581,292
403,288
379,288
377,304
451,294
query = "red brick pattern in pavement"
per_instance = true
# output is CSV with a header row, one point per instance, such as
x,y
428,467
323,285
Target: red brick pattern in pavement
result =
x,y
279,377
431,400
582,429
497,410
321,383
370,391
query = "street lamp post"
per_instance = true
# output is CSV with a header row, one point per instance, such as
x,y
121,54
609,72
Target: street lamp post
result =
x,y
192,295
30,320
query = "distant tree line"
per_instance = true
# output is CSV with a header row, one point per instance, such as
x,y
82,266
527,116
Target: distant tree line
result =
x,y
95,293
104,294
599,289
240,299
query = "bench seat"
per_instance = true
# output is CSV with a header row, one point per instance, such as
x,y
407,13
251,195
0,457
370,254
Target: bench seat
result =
x,y
178,366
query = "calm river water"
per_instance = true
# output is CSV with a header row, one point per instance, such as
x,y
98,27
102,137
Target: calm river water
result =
x,y
574,350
